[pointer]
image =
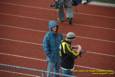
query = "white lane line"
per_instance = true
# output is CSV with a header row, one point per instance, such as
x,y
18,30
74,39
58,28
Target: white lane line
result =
x,y
102,4
19,56
20,41
25,57
27,6
98,27
82,37
31,58
94,15
26,29
19,73
87,67
33,69
46,20
42,8
102,40
90,52
28,17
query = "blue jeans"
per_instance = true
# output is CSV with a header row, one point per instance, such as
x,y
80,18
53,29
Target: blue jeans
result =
x,y
61,13
68,10
69,13
53,67
67,72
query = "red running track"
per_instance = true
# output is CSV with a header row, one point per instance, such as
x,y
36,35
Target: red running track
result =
x,y
23,24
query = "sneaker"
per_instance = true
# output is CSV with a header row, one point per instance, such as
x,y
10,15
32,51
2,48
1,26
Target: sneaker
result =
x,y
69,20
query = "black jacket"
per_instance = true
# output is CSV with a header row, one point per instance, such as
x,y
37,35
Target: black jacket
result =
x,y
67,54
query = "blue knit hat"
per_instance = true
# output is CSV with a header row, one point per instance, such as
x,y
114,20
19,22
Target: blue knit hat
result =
x,y
52,23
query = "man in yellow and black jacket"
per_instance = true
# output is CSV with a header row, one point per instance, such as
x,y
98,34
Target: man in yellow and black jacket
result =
x,y
68,54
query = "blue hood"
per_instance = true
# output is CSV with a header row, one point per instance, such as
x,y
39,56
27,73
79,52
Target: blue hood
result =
x,y
52,24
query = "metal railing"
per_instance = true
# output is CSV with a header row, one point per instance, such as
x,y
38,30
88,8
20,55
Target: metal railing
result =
x,y
32,71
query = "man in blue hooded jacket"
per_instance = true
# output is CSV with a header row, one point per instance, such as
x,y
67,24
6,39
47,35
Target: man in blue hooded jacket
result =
x,y
51,43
